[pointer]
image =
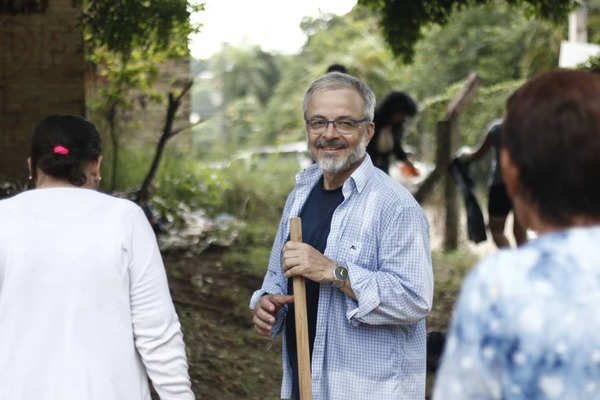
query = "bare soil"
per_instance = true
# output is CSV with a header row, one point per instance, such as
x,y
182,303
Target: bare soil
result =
x,y
227,359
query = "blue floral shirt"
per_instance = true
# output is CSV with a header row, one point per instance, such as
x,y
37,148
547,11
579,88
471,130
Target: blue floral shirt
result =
x,y
372,347
527,324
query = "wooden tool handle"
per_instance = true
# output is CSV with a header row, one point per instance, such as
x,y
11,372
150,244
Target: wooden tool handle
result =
x,y
301,321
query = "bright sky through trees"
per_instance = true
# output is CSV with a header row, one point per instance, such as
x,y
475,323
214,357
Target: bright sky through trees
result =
x,y
274,25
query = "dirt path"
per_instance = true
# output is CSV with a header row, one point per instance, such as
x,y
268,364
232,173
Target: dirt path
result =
x,y
227,359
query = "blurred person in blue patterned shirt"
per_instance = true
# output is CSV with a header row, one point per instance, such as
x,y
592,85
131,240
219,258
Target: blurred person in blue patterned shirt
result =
x,y
527,321
365,256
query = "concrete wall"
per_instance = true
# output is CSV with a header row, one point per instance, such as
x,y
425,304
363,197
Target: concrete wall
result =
x,y
41,73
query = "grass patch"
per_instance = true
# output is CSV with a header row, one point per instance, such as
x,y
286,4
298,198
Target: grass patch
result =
x,y
449,270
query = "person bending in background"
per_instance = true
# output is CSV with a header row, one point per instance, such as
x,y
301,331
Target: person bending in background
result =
x,y
499,204
390,119
85,309
366,259
526,324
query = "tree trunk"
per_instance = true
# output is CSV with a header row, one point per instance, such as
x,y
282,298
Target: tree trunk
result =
x,y
167,133
112,123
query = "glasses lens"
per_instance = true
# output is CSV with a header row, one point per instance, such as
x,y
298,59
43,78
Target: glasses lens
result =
x,y
317,125
345,126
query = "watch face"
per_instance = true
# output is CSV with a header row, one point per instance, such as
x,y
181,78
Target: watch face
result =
x,y
341,273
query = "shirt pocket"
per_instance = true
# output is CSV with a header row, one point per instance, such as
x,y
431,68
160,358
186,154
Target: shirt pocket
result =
x,y
351,251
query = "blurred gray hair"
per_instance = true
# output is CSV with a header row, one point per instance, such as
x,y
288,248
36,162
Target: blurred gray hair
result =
x,y
337,81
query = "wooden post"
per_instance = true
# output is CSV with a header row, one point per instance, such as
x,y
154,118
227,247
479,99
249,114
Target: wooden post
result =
x,y
450,192
455,108
442,133
447,142
302,348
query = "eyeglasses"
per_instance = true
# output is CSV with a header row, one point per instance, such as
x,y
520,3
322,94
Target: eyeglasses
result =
x,y
344,126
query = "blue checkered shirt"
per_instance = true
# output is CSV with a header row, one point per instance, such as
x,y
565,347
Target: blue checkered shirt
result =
x,y
372,347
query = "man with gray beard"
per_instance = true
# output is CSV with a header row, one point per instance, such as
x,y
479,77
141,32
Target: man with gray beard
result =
x,y
365,256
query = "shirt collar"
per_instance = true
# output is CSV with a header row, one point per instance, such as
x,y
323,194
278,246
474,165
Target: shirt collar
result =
x,y
359,177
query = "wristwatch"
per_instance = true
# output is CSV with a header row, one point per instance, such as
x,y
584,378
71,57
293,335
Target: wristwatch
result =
x,y
340,276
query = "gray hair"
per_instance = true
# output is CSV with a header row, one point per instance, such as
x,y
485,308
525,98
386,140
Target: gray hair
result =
x,y
337,81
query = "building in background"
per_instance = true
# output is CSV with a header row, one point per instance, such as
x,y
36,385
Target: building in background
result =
x,y
41,72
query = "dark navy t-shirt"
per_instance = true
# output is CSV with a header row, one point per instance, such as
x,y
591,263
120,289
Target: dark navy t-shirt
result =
x,y
316,223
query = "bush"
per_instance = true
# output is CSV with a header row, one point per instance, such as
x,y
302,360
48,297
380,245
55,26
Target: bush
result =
x,y
189,186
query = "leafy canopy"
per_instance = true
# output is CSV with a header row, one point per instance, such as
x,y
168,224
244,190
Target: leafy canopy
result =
x,y
402,21
152,26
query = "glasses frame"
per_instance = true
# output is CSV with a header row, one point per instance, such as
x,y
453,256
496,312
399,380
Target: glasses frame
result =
x,y
355,121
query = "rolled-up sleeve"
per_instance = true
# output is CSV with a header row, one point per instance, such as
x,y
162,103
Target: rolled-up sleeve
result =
x,y
397,286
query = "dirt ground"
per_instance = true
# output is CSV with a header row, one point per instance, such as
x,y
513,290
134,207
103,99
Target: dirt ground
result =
x,y
227,359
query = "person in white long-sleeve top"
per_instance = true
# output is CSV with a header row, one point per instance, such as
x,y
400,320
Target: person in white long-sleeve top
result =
x,y
85,308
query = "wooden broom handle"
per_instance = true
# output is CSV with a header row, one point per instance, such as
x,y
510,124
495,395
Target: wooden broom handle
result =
x,y
302,348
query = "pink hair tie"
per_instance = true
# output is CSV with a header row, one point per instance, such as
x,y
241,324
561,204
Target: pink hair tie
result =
x,y
61,150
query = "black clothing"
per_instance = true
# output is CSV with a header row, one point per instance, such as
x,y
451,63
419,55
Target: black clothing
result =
x,y
462,177
382,160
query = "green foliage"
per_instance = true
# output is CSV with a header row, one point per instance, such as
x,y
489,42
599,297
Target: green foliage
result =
x,y
138,74
257,194
403,21
281,120
253,190
186,185
249,73
133,165
593,25
494,41
592,64
125,42
259,187
501,45
593,21
250,257
449,270
152,26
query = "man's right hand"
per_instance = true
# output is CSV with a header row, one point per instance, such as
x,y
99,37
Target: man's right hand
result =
x,y
266,310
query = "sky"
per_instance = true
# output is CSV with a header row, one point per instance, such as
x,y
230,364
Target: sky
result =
x,y
274,25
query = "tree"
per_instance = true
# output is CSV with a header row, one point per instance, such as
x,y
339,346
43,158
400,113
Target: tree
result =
x,y
495,41
125,41
152,26
168,132
251,72
403,21
244,81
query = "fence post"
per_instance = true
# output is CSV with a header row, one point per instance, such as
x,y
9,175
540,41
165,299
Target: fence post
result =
x,y
447,137
450,192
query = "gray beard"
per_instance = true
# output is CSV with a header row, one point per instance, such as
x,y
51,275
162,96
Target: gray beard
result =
x,y
330,164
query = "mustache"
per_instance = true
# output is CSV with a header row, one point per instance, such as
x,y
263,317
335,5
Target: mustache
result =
x,y
322,142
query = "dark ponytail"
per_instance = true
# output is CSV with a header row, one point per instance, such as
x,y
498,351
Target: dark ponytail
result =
x,y
61,144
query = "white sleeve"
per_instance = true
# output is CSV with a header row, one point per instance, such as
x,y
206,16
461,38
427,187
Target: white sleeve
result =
x,y
156,327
